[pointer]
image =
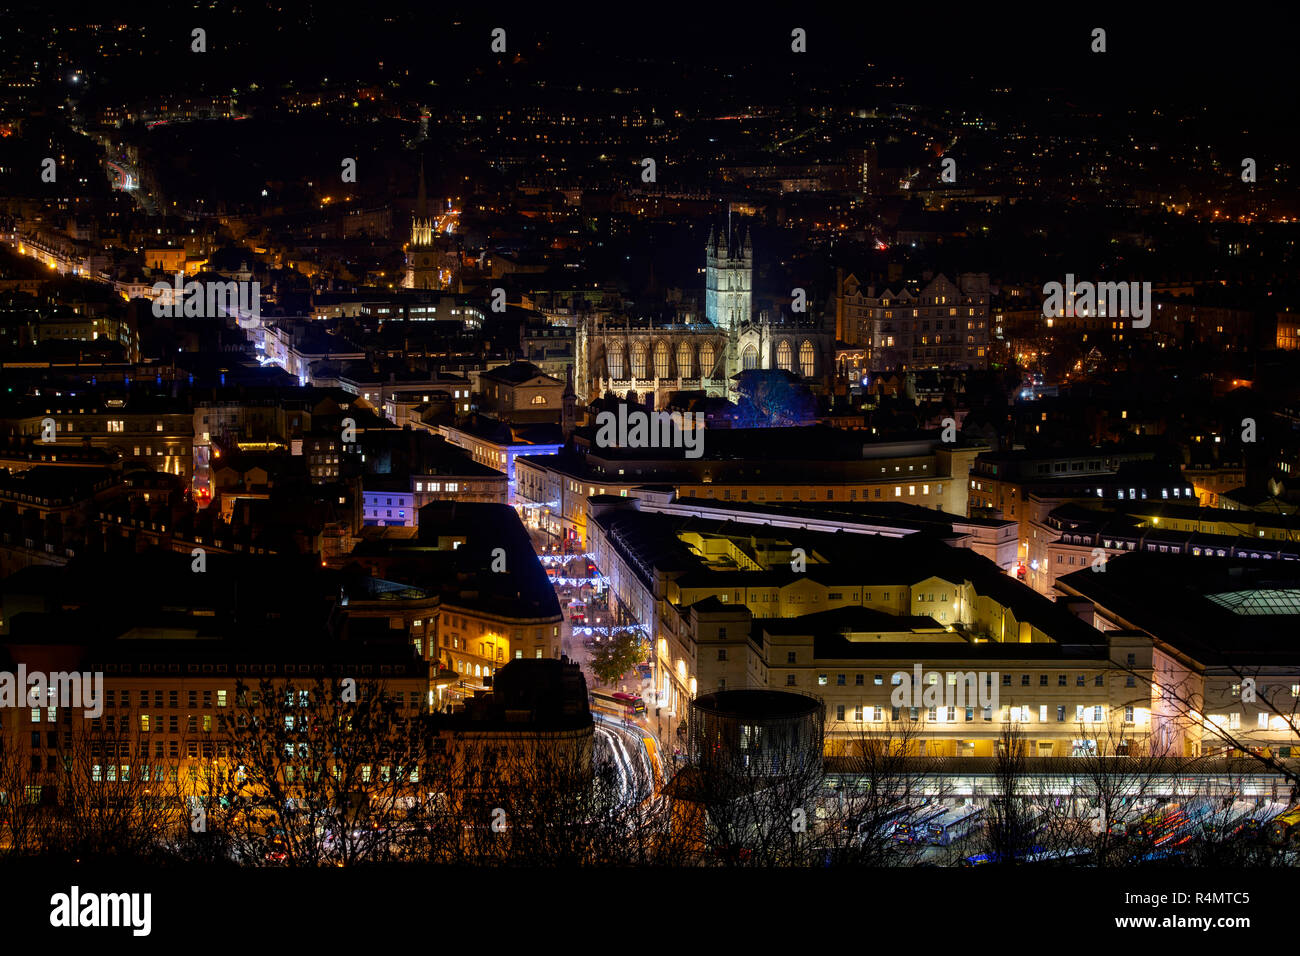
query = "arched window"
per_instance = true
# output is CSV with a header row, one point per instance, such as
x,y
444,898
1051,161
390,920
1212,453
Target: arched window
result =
x,y
750,357
661,359
807,359
614,358
638,360
539,399
685,367
785,356
706,359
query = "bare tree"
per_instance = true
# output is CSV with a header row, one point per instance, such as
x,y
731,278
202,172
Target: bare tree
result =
x,y
114,798
314,775
883,781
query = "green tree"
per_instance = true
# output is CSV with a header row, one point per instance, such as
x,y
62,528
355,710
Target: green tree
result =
x,y
612,658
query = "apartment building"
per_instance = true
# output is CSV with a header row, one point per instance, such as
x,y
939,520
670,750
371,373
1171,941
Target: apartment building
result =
x,y
1221,630
497,444
705,587
152,431
934,323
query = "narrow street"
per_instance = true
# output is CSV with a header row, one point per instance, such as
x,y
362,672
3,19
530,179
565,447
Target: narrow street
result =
x,y
626,738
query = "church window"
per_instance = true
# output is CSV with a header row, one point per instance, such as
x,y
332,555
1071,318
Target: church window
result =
x,y
706,358
685,365
661,360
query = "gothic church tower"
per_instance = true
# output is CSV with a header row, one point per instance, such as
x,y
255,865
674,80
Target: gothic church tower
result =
x,y
421,257
728,281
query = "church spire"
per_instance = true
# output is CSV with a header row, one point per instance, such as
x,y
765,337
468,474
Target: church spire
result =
x,y
421,196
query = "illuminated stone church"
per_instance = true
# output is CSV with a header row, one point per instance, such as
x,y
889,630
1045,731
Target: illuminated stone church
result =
x,y
429,264
627,355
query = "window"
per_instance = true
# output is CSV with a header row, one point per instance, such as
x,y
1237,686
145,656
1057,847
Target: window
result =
x,y
839,711
821,680
789,680
1024,680
858,680
1060,713
1060,680
661,360
1042,680
807,359
614,359
685,364
706,359
789,657
839,680
1099,681
722,653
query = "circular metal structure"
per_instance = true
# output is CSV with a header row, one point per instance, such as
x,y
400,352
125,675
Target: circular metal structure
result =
x,y
756,732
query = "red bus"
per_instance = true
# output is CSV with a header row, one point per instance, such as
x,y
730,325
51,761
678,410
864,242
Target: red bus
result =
x,y
634,703
625,705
